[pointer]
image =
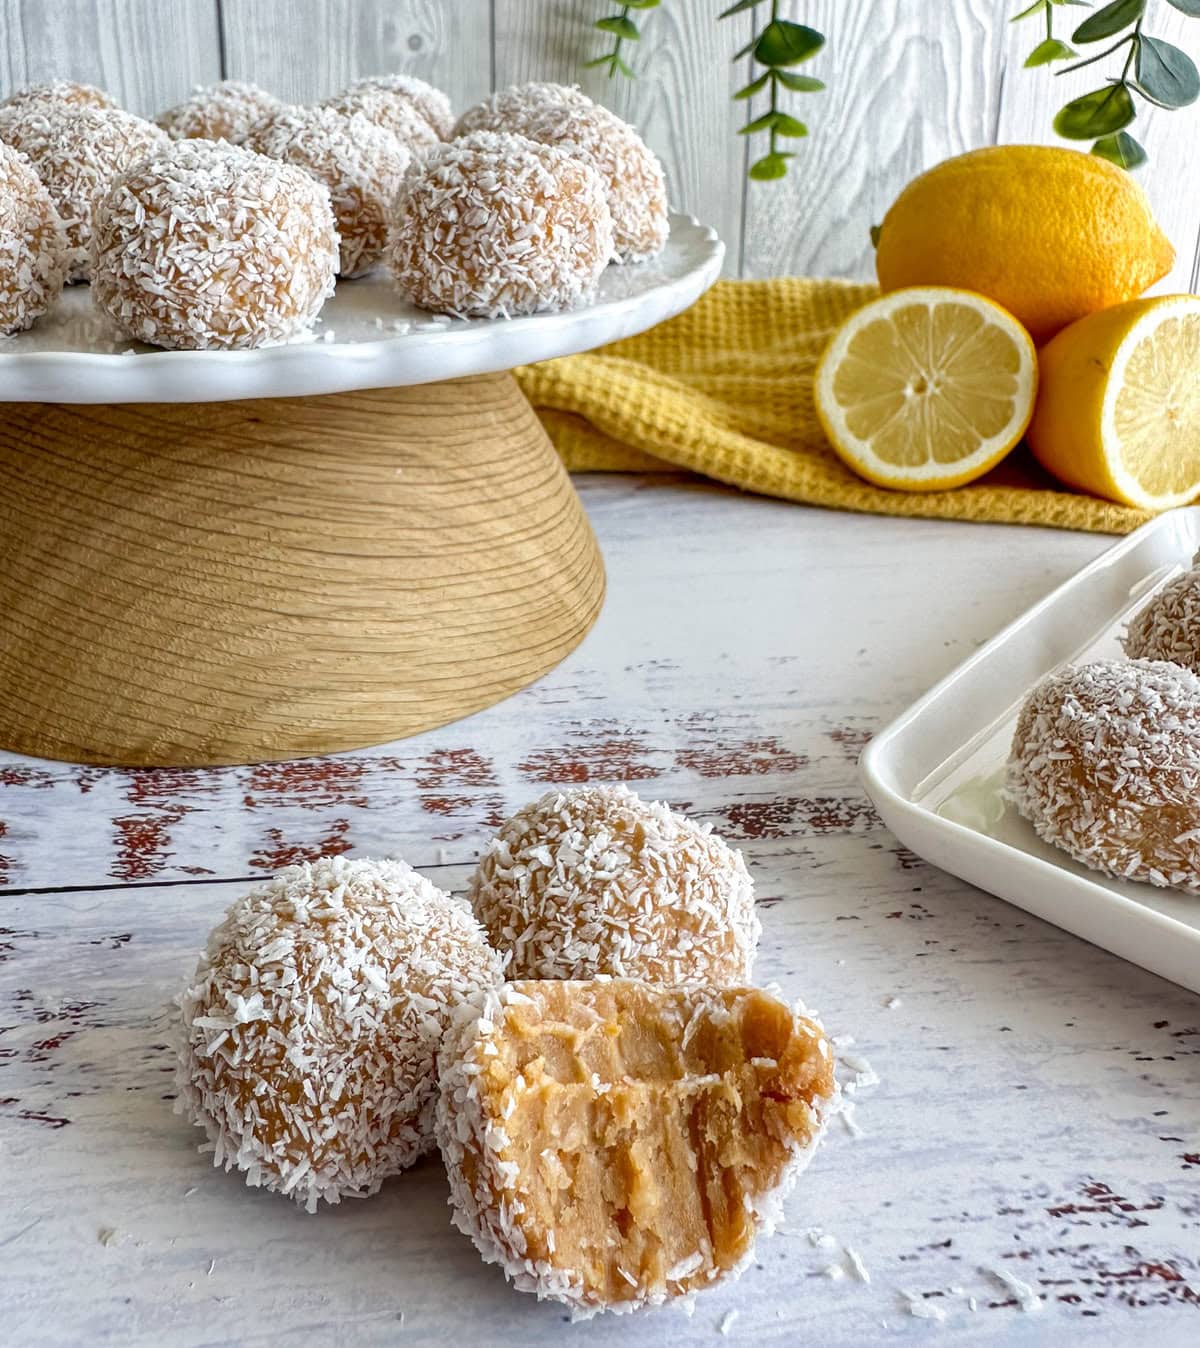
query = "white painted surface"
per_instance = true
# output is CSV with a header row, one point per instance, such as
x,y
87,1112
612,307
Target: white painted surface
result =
x,y
366,337
1039,1110
909,83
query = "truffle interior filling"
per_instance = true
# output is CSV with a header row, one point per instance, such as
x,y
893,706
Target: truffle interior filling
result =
x,y
644,1124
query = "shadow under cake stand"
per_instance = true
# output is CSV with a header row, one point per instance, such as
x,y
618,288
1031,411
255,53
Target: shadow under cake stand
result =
x,y
234,556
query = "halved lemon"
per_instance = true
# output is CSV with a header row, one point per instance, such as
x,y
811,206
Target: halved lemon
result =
x,y
1119,411
926,388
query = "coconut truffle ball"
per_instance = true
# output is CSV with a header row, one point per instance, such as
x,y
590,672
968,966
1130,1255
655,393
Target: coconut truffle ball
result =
x,y
613,1145
493,225
593,880
60,91
361,164
631,171
1105,764
33,245
312,1025
206,245
390,110
431,103
77,152
1168,628
224,111
509,109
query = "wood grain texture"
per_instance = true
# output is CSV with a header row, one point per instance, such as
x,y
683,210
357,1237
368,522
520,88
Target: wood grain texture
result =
x,y
1171,178
307,49
1039,1110
909,85
680,100
231,582
723,674
144,58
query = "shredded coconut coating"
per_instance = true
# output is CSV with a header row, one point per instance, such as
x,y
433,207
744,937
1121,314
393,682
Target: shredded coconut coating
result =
x,y
594,880
224,111
362,165
680,1124
508,109
495,226
206,245
391,110
77,152
312,1024
1105,764
60,91
632,173
1168,628
33,245
431,103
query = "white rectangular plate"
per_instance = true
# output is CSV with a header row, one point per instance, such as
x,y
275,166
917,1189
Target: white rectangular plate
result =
x,y
935,774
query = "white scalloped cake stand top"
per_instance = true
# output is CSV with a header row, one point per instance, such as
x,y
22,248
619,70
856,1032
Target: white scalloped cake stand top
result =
x,y
366,337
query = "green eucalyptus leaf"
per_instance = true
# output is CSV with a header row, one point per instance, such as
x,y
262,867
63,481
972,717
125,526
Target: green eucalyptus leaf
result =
x,y
622,66
783,43
739,8
769,167
876,231
1035,8
1100,113
789,126
1121,150
746,50
798,84
620,27
1049,50
605,60
749,90
1166,75
763,123
1109,20
1189,7
642,4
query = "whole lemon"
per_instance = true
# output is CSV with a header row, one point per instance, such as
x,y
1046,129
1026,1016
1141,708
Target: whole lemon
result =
x,y
1050,234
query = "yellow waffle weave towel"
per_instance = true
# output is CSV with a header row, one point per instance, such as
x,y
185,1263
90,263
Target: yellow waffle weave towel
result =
x,y
726,390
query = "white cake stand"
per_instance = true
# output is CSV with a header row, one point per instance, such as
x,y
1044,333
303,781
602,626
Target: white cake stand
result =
x,y
225,557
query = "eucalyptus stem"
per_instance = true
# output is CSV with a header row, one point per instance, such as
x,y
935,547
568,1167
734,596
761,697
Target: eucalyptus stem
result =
x,y
615,62
774,89
1153,70
780,45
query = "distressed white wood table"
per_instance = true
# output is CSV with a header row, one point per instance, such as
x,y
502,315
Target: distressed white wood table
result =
x,y
1038,1116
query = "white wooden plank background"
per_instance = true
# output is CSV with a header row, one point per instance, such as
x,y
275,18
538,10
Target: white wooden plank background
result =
x,y
1039,1110
909,84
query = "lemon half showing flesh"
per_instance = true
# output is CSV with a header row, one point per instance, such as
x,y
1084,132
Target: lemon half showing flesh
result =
x,y
1119,414
926,388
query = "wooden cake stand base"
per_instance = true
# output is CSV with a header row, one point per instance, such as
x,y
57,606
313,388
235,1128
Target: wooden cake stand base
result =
x,y
233,582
